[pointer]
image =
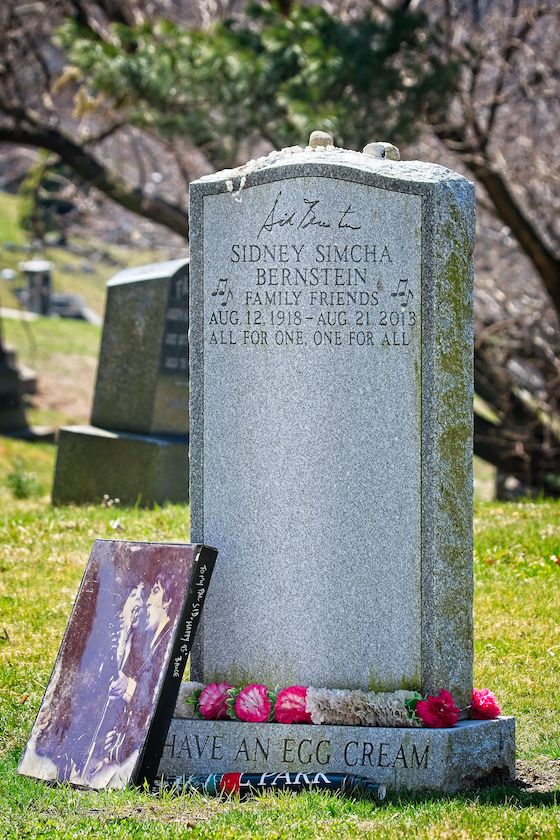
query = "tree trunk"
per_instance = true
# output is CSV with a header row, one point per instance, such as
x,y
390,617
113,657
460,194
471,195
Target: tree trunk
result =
x,y
508,210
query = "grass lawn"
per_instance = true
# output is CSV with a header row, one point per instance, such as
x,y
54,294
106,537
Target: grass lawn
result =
x,y
517,606
63,353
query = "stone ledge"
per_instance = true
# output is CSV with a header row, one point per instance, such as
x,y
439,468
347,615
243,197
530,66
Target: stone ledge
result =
x,y
136,468
444,760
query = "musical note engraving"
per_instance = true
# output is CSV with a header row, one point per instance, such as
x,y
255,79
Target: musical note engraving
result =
x,y
221,290
403,292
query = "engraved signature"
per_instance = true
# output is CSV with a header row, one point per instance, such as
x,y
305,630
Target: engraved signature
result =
x,y
309,216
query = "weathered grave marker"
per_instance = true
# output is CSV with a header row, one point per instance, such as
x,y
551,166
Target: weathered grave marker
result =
x,y
38,276
413,759
132,625
331,439
321,413
143,363
136,447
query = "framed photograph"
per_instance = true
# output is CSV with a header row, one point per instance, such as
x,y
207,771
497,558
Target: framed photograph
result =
x,y
110,699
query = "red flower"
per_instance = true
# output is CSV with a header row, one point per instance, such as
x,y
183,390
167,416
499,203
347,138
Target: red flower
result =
x,y
212,701
253,704
290,705
438,711
484,705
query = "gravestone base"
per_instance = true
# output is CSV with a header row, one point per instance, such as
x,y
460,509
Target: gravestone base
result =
x,y
468,755
135,468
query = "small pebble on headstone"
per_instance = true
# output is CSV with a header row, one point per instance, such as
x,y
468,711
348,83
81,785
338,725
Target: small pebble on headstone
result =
x,y
320,139
380,149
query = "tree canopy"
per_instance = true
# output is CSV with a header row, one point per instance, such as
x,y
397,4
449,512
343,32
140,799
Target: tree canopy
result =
x,y
210,89
263,76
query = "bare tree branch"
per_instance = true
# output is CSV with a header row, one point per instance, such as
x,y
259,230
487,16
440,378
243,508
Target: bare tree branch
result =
x,y
92,171
104,133
509,211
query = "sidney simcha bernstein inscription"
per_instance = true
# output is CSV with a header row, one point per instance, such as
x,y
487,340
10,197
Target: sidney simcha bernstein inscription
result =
x,y
109,702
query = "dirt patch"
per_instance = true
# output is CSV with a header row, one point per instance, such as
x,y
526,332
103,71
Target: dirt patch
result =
x,y
68,389
541,776
186,812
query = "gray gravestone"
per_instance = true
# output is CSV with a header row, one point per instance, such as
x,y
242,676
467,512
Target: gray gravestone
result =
x,y
143,363
331,430
38,276
410,759
137,446
331,425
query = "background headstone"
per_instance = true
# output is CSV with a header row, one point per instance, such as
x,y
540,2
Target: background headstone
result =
x,y
137,446
134,468
143,363
12,410
38,277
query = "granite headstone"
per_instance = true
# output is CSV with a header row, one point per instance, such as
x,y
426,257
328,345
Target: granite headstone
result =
x,y
143,363
331,434
331,426
136,448
409,759
38,277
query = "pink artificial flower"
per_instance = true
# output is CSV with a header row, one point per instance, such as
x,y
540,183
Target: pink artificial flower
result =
x,y
253,704
212,701
290,705
484,705
438,711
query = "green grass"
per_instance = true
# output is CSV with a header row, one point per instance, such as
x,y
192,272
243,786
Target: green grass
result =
x,y
517,611
63,353
10,230
43,340
517,603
